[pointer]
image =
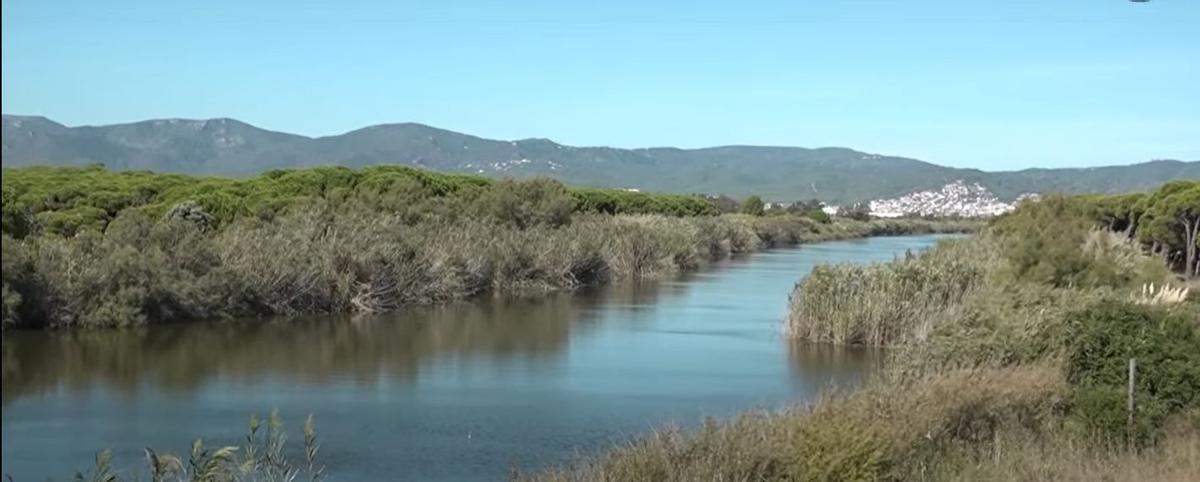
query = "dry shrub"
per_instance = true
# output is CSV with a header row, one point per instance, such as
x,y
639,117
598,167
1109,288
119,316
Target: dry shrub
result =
x,y
1059,456
885,431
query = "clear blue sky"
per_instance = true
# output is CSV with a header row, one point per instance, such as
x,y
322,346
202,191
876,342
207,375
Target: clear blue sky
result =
x,y
987,84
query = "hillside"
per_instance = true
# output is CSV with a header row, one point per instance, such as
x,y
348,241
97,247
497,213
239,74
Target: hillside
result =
x,y
229,147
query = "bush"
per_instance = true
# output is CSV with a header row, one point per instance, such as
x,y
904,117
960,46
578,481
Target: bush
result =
x,y
752,206
1103,338
818,216
523,204
883,432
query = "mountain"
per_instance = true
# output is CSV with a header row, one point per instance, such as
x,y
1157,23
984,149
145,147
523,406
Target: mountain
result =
x,y
230,147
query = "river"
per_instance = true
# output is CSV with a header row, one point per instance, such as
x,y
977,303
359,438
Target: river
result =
x,y
458,392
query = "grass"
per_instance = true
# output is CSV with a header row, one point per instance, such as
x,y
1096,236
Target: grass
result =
x,y
882,432
892,303
324,259
261,458
1007,363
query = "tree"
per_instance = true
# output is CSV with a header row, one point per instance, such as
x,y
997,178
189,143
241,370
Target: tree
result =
x,y
857,211
753,206
1174,226
801,207
524,204
723,203
17,219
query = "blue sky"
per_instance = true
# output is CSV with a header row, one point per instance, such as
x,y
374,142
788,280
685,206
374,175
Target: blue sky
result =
x,y
992,85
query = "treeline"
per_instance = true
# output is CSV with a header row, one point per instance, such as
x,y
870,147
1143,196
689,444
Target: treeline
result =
x,y
66,201
1166,221
160,248
1008,361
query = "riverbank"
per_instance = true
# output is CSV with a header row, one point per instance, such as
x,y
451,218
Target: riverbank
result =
x,y
395,395
323,259
90,247
1008,363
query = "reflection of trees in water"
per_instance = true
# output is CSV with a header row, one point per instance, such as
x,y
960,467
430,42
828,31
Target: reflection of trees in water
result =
x,y
833,363
182,357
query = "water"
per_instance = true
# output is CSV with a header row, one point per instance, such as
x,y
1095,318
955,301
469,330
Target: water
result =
x,y
458,392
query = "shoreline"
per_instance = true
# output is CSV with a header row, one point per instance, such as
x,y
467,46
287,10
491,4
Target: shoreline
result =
x,y
838,230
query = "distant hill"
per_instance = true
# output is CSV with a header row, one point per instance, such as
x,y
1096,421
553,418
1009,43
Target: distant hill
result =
x,y
229,147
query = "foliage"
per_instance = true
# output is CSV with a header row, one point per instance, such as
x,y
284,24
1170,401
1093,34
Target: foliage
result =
x,y
322,258
262,457
67,201
528,203
857,211
881,432
1042,290
1103,337
818,215
753,206
889,303
1165,221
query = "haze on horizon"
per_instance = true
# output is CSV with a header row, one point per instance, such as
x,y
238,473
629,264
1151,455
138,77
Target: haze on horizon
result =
x,y
1002,86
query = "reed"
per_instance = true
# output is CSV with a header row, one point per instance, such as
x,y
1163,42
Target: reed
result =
x,y
321,259
893,303
261,458
882,432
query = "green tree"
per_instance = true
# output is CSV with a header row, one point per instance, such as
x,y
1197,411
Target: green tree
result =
x,y
528,203
1173,227
753,206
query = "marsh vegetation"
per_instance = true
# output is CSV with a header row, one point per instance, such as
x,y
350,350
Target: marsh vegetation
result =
x,y
91,247
1008,362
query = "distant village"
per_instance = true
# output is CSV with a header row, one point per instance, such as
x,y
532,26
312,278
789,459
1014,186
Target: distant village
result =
x,y
955,199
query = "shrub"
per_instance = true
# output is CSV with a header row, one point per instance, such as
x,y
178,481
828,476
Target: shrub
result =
x,y
818,216
753,206
524,204
1103,337
882,432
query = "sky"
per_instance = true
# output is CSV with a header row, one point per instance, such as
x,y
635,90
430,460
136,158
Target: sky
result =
x,y
995,85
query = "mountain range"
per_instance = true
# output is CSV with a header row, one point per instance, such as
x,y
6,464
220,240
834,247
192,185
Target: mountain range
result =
x,y
230,147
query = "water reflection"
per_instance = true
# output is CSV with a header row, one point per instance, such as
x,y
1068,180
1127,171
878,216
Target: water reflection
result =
x,y
829,363
181,358
459,392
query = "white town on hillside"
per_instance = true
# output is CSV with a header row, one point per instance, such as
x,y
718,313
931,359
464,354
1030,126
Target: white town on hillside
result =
x,y
955,199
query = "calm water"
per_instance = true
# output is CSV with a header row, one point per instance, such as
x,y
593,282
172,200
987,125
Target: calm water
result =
x,y
450,393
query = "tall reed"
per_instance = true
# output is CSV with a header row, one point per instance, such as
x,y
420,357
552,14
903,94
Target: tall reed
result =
x,y
891,303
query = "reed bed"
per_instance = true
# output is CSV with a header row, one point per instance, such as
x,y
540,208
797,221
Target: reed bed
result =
x,y
321,260
894,303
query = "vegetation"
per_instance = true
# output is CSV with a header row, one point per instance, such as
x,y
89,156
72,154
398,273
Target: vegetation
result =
x,y
145,248
261,457
1008,363
68,201
752,206
1166,222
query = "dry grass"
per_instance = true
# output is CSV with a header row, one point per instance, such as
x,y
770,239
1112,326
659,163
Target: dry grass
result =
x,y
1017,456
896,303
322,260
886,431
